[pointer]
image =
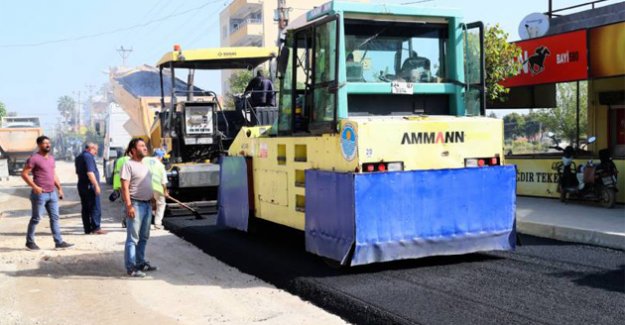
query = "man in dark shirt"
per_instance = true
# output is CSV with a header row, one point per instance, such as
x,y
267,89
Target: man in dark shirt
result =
x,y
45,194
261,89
89,189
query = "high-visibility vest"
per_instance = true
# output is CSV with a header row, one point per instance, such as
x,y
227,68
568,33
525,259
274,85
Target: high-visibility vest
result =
x,y
117,182
157,169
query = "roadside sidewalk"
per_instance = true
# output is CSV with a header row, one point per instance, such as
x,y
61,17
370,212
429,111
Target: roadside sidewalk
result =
x,y
574,221
87,284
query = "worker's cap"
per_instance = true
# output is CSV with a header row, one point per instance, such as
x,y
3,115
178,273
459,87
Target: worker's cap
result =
x,y
160,153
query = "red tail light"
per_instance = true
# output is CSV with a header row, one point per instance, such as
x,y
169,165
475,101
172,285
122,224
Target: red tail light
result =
x,y
383,167
482,162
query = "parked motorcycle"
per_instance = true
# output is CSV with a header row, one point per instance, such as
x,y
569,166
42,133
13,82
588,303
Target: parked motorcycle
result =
x,y
591,182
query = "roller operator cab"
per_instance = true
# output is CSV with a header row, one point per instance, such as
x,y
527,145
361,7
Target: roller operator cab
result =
x,y
192,127
381,151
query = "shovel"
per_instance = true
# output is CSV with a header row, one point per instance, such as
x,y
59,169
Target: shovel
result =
x,y
194,211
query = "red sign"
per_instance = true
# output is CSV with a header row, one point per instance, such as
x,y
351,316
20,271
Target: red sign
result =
x,y
552,59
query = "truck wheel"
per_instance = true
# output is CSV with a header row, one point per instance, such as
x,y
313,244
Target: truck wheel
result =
x,y
608,198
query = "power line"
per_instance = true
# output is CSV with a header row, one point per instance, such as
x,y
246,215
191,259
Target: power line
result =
x,y
114,31
143,33
148,14
177,30
415,2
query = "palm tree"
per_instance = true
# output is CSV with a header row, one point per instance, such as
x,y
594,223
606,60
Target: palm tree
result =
x,y
67,108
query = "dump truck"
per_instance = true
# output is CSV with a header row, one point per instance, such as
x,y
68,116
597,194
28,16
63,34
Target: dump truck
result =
x,y
18,135
381,150
118,130
136,102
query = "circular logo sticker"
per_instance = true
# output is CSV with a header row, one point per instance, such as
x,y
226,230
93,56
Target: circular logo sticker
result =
x,y
348,142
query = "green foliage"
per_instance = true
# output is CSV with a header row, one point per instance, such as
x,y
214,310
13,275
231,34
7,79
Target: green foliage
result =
x,y
514,126
500,61
519,147
92,136
562,120
523,133
532,125
3,110
67,108
527,126
238,81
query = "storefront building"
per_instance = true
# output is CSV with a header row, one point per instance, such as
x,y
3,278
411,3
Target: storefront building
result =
x,y
589,47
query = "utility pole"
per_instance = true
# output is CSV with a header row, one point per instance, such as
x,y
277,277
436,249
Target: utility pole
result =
x,y
90,113
282,17
124,53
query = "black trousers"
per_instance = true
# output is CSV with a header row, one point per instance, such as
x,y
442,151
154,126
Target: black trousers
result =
x,y
91,210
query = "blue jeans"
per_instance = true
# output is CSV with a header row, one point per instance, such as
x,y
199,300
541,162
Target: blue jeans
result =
x,y
137,234
49,202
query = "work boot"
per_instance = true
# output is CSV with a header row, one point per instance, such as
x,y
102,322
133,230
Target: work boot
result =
x,y
136,274
146,267
63,245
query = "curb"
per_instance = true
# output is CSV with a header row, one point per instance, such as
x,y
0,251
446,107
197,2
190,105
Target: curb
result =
x,y
576,235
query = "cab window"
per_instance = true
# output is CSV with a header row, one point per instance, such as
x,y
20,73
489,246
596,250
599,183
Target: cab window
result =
x,y
308,97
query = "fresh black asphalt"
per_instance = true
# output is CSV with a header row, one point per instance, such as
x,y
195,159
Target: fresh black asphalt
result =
x,y
542,282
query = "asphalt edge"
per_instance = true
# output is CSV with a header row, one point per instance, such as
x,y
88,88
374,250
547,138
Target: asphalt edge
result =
x,y
348,308
577,235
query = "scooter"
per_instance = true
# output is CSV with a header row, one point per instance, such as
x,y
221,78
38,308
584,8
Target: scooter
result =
x,y
588,182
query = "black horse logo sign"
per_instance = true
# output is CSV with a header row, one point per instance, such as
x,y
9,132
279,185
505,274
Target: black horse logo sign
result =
x,y
537,61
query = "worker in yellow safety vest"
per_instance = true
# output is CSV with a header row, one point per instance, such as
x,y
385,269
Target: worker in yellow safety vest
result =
x,y
117,183
159,184
117,186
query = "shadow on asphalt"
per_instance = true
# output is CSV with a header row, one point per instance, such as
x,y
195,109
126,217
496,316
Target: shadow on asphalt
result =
x,y
527,240
269,239
613,280
489,287
277,255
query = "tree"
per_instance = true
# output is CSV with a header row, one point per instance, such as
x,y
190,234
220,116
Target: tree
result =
x,y
238,81
514,125
562,120
3,110
500,61
532,125
67,108
92,136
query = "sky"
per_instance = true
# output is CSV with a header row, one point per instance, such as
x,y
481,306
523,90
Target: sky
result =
x,y
54,48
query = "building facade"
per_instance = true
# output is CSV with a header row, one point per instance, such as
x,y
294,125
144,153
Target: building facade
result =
x,y
251,23
586,46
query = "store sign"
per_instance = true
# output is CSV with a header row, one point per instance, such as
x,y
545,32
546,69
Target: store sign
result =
x,y
536,176
607,50
551,59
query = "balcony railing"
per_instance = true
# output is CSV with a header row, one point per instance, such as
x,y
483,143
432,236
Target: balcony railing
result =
x,y
250,21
